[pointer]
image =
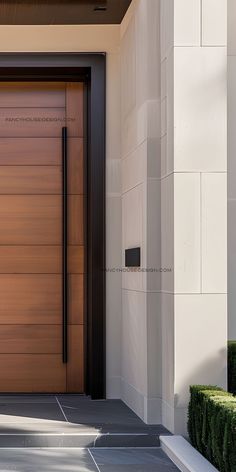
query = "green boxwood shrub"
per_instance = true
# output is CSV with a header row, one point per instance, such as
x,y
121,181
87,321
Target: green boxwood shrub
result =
x,y
232,367
212,425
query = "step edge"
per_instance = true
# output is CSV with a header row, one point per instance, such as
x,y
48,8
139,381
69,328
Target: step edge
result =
x,y
184,455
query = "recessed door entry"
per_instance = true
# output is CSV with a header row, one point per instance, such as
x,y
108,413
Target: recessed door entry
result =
x,y
41,265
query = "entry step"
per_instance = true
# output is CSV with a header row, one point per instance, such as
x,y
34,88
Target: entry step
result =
x,y
72,421
79,440
86,460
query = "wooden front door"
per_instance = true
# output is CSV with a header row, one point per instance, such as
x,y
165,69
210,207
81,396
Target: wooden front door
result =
x,y
32,116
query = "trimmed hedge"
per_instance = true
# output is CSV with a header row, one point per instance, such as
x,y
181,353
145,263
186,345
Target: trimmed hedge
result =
x,y
232,367
212,425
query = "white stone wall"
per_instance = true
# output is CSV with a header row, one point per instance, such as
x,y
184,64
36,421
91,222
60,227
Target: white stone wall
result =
x,y
194,200
141,206
232,169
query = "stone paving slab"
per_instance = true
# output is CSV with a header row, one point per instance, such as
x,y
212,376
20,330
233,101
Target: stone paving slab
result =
x,y
27,398
97,411
78,440
46,460
132,460
24,426
33,412
72,421
85,460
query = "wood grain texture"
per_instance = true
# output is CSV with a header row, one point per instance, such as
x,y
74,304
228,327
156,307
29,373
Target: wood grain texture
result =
x,y
31,122
76,219
30,219
75,166
30,339
40,259
31,119
30,260
26,373
30,180
76,299
74,109
75,366
30,299
76,257
30,151
32,94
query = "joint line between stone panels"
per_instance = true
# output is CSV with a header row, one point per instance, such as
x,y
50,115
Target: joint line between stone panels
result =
x,y
133,387
184,46
142,291
132,188
197,293
62,411
132,151
167,175
95,463
117,448
193,46
214,46
165,292
198,171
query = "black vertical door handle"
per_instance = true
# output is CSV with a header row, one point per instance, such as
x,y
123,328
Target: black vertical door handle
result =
x,y
64,248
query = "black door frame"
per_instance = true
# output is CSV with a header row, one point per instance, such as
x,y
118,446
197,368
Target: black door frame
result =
x,y
91,69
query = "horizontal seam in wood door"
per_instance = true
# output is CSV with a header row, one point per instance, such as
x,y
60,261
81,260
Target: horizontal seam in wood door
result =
x,y
39,195
43,137
39,324
40,137
32,108
39,245
29,165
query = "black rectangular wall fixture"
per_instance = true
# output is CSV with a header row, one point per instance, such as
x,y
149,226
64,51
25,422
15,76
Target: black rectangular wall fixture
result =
x,y
132,257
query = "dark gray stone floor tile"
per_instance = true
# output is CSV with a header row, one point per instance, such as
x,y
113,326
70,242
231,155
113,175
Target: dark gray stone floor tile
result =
x,y
107,423
46,460
30,412
109,416
130,429
122,460
73,397
22,425
25,398
124,440
105,412
45,426
44,440
77,440
137,468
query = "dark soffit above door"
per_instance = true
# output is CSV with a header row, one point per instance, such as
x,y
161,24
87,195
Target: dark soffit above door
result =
x,y
58,12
